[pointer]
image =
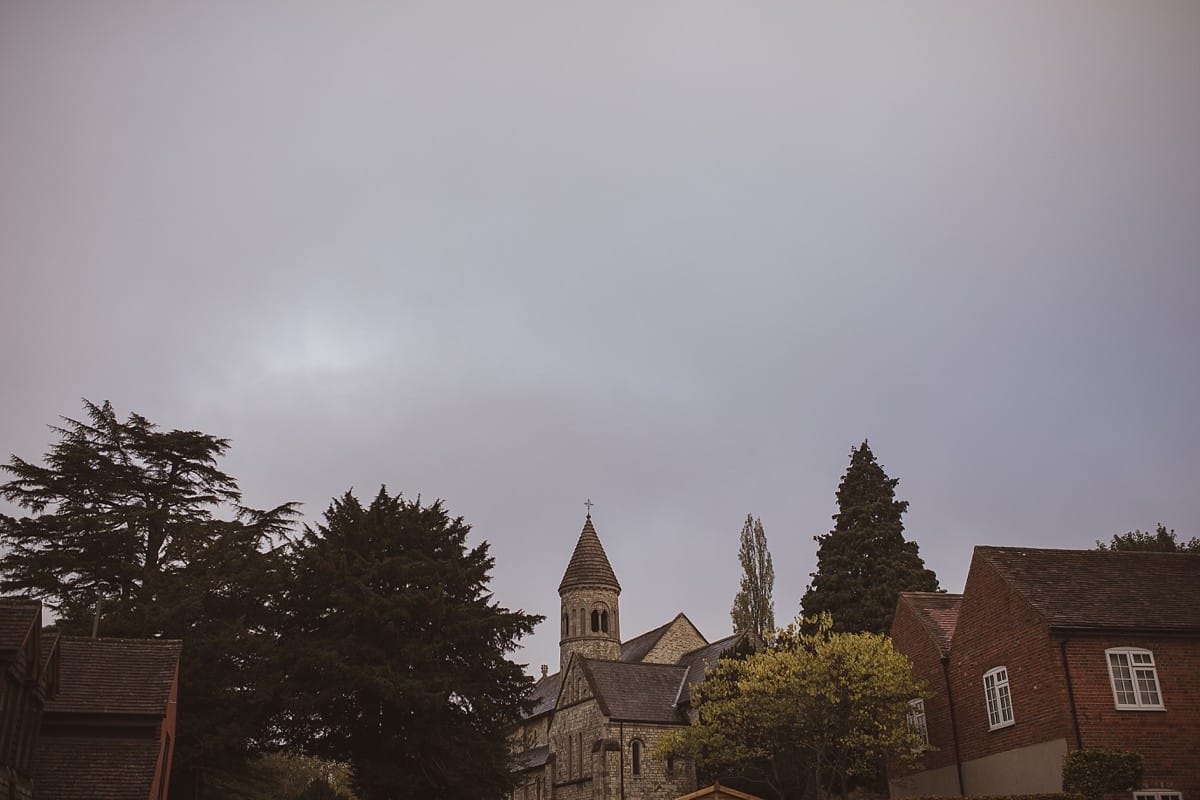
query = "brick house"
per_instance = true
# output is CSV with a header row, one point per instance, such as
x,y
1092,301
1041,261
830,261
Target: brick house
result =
x,y
593,727
1049,651
30,663
110,731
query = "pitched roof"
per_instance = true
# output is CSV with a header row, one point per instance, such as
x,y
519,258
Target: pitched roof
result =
x,y
938,612
115,676
17,618
637,692
1101,589
589,565
94,768
717,790
635,649
699,662
533,757
544,695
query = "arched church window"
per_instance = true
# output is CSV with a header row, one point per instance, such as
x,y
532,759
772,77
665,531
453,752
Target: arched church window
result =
x,y
636,750
595,621
564,624
604,621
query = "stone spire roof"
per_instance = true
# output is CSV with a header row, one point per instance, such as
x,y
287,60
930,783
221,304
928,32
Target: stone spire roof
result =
x,y
589,565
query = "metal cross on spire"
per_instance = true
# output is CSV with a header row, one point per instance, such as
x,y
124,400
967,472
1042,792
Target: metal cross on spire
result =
x,y
589,505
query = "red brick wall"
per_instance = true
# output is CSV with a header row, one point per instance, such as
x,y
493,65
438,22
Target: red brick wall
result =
x,y
910,637
1169,740
997,628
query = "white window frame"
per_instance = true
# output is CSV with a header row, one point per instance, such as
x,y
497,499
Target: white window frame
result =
x,y
998,697
916,719
1142,679
1157,794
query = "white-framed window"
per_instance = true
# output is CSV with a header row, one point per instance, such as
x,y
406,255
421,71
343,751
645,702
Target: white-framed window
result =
x,y
916,719
999,699
1157,794
1134,679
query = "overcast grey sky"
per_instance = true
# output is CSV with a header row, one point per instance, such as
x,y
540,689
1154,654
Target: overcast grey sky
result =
x,y
678,257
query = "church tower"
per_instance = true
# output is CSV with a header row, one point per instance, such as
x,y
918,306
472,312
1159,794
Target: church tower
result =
x,y
589,592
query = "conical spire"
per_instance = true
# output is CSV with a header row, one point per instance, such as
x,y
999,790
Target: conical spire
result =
x,y
589,565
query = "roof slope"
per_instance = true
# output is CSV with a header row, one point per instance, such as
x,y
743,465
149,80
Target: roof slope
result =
x,y
589,564
115,676
636,648
94,768
699,662
544,695
938,612
637,692
1099,589
17,618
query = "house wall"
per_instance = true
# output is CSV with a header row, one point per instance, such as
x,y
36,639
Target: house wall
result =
x,y
996,627
1168,740
911,637
682,637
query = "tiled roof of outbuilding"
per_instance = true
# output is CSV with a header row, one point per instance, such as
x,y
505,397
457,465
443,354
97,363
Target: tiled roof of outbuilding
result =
x,y
17,618
637,692
938,612
1100,589
95,767
589,564
115,676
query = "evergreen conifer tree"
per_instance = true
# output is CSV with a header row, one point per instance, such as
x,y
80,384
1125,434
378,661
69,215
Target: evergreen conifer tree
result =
x,y
753,608
396,652
865,562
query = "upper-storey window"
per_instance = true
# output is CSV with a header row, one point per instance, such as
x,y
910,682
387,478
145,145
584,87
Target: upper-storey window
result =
x,y
604,621
999,700
1134,680
595,621
916,719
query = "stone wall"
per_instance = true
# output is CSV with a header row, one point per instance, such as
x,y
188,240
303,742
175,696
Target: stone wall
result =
x,y
656,780
682,637
576,634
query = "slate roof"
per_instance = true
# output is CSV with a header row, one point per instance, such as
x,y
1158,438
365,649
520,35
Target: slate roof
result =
x,y
17,618
115,676
1098,589
589,564
95,768
637,692
938,612
533,757
544,695
699,662
636,648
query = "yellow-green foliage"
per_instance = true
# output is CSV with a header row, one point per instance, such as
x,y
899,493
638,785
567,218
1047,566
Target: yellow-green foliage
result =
x,y
809,712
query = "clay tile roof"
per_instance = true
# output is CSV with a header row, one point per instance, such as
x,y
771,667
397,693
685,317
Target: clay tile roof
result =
x,y
637,692
544,695
636,648
1099,589
589,565
94,768
938,612
17,618
115,676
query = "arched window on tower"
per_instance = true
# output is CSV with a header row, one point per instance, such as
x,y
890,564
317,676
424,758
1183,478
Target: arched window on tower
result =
x,y
604,621
595,621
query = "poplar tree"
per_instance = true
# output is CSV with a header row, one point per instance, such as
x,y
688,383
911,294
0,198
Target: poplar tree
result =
x,y
865,562
753,609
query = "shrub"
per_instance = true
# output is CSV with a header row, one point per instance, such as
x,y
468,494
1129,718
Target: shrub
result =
x,y
1095,773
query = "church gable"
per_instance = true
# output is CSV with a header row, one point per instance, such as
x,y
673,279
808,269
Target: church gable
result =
x,y
680,637
575,686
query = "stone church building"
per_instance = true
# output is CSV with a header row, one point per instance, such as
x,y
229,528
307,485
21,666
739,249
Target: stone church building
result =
x,y
594,724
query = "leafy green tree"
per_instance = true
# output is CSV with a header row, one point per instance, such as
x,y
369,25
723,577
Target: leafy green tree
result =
x,y
143,523
806,716
865,562
753,608
1161,541
397,652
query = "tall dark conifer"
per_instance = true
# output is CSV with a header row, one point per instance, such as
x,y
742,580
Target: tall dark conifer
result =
x,y
865,562
397,654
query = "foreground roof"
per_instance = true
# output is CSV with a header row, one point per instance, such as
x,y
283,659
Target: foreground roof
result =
x,y
589,564
95,768
1103,589
937,612
115,676
638,692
